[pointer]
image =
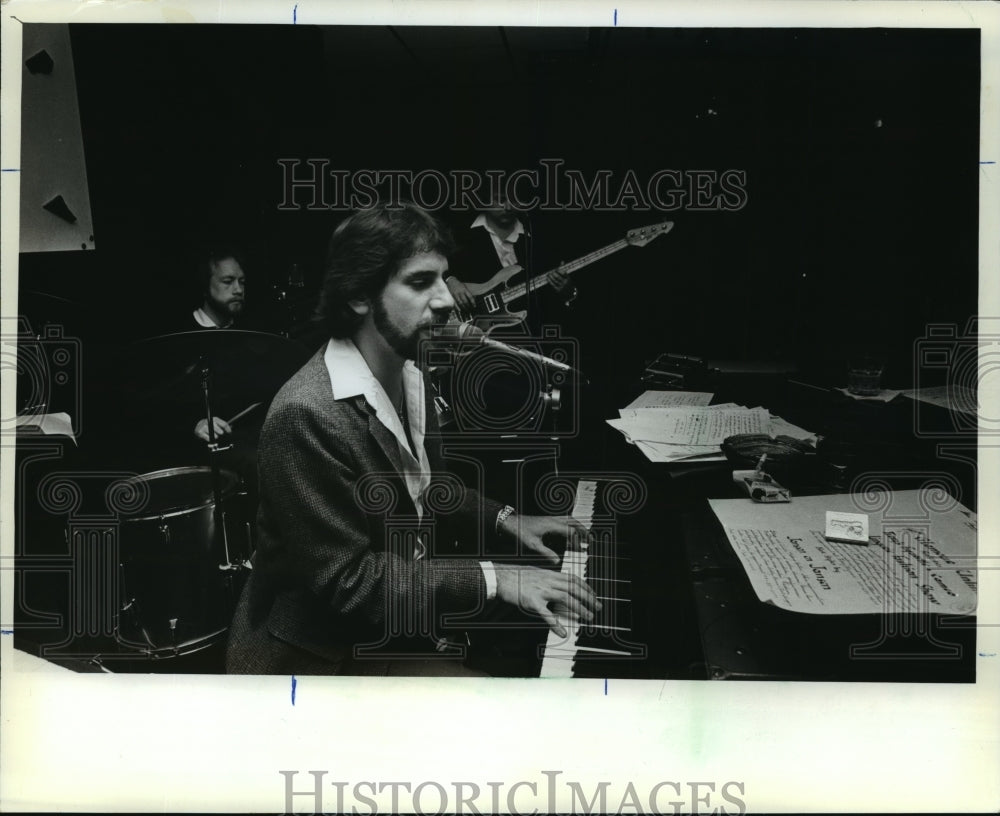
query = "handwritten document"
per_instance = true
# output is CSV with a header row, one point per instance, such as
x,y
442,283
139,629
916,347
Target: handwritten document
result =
x,y
920,556
670,399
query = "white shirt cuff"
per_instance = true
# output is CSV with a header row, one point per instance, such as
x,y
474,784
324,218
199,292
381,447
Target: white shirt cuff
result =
x,y
490,575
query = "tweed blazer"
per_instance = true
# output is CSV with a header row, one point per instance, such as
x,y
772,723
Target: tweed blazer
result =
x,y
336,562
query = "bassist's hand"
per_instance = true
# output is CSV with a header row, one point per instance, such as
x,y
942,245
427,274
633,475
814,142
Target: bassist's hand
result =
x,y
463,297
558,278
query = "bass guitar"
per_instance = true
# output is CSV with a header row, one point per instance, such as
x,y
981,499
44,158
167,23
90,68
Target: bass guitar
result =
x,y
493,297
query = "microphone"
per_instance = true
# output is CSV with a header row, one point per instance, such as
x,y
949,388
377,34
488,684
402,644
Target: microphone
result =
x,y
467,333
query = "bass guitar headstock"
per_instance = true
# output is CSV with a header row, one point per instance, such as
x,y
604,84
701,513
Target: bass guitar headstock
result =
x,y
643,235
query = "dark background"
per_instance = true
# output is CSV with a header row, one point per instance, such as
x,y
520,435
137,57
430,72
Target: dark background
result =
x,y
860,149
860,229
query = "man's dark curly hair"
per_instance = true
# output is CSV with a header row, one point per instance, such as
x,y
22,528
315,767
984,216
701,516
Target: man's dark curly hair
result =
x,y
368,248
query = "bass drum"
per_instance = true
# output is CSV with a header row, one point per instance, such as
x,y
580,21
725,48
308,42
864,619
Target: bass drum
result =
x,y
179,590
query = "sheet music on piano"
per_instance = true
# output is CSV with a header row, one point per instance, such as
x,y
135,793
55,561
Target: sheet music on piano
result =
x,y
695,433
920,556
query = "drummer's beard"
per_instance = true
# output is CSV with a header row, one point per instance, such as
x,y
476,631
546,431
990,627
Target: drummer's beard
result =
x,y
233,307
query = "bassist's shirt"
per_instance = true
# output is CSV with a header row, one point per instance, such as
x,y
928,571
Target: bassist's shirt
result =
x,y
481,253
505,247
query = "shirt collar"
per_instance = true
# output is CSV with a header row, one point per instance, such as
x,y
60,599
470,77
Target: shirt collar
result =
x,y
202,318
516,233
350,375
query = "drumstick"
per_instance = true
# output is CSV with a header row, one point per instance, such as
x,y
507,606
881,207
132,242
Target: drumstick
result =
x,y
243,413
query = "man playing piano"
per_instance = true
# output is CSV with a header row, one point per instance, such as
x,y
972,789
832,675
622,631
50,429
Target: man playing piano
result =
x,y
361,530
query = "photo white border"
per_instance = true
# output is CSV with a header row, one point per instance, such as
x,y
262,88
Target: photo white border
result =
x,y
193,743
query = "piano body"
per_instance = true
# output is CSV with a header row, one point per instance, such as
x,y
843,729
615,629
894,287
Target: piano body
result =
x,y
677,602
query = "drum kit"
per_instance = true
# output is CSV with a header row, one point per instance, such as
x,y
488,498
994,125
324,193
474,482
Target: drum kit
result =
x,y
182,558
186,533
185,523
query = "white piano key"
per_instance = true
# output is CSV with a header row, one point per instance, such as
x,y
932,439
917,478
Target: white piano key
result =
x,y
557,660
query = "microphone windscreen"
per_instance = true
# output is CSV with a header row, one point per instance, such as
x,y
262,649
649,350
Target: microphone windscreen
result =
x,y
466,331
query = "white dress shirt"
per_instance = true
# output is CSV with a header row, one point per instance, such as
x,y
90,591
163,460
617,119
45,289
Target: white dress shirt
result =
x,y
350,376
503,246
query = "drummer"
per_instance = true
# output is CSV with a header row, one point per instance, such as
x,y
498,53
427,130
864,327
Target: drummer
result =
x,y
223,296
223,290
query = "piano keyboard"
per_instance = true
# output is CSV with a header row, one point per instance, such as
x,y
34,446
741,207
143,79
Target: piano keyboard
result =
x,y
564,657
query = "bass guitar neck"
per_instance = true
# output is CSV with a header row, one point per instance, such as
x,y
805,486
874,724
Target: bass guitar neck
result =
x,y
493,298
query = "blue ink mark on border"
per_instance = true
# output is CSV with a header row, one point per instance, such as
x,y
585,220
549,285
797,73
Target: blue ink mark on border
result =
x,y
981,654
294,683
616,16
295,13
605,686
6,631
11,170
989,162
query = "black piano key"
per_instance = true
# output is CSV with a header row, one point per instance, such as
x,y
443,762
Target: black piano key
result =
x,y
614,612
617,650
602,638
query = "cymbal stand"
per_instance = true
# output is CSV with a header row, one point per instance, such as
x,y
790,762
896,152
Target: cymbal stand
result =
x,y
214,448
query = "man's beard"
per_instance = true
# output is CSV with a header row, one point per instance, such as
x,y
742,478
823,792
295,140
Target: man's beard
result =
x,y
406,346
232,308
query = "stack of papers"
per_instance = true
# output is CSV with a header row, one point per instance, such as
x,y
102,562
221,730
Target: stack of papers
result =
x,y
675,426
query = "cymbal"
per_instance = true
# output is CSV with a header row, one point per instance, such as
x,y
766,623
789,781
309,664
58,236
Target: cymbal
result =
x,y
241,365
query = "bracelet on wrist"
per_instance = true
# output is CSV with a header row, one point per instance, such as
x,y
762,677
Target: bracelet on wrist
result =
x,y
504,514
